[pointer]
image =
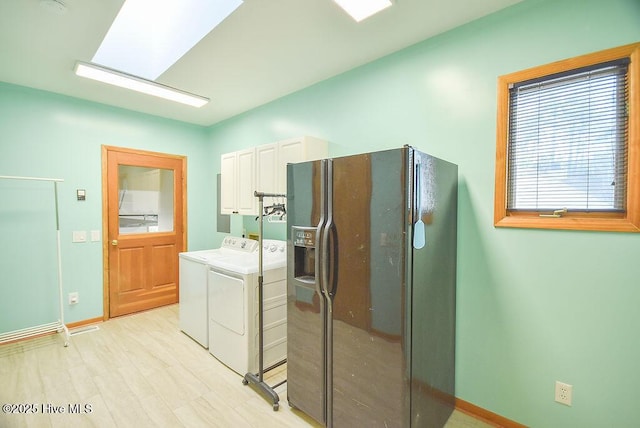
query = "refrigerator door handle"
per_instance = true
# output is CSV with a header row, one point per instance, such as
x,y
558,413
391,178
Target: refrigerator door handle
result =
x,y
320,232
320,264
324,241
317,264
332,256
329,252
324,261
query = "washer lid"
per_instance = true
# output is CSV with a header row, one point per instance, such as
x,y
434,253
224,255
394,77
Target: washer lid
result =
x,y
203,256
231,245
246,264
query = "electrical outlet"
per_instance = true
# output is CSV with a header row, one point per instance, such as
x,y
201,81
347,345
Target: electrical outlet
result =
x,y
564,393
74,298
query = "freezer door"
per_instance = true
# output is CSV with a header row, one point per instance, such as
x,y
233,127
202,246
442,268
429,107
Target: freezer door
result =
x,y
306,315
370,203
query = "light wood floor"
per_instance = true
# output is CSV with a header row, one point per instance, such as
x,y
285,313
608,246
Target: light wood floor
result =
x,y
139,371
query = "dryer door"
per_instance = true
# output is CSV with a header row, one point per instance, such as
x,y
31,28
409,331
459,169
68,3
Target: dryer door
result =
x,y
226,301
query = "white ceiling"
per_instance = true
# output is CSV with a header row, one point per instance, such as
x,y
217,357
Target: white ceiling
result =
x,y
266,49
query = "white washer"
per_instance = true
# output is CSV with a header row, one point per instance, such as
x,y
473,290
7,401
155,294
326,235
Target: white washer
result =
x,y
194,267
233,308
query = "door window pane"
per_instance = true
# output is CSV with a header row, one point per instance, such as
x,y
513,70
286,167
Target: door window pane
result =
x,y
145,199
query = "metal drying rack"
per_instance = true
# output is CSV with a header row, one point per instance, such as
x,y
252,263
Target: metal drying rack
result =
x,y
59,325
257,380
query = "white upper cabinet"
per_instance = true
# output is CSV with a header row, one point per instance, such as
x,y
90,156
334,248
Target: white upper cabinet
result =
x,y
247,204
266,176
228,183
237,182
262,169
297,150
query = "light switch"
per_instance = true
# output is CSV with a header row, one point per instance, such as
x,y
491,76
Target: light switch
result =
x,y
95,235
74,298
79,236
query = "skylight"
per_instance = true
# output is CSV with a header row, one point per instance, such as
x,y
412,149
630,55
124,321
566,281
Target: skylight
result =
x,y
362,9
149,36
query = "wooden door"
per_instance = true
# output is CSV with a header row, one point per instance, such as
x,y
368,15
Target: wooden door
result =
x,y
144,215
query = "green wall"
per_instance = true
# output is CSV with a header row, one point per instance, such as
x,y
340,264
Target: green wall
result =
x,y
48,135
534,306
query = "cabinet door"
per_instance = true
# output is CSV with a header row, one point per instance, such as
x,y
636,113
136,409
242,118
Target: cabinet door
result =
x,y
266,173
290,151
295,150
245,174
228,183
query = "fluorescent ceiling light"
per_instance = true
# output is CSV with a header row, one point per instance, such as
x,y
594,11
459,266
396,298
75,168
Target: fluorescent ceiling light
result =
x,y
149,36
124,80
362,9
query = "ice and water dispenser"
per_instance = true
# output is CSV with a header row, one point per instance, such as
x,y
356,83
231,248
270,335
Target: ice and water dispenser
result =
x,y
304,257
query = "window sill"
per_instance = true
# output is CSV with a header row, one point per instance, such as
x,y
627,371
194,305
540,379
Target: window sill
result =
x,y
569,223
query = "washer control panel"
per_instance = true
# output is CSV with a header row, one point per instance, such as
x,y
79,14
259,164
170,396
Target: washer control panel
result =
x,y
272,246
269,246
240,244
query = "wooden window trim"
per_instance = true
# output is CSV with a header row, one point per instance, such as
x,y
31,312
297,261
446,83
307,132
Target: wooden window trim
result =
x,y
628,222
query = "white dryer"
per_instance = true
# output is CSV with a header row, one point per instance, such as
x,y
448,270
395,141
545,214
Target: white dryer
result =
x,y
194,268
233,308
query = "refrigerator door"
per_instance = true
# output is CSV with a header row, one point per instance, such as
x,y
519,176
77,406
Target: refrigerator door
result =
x,y
306,311
369,227
433,273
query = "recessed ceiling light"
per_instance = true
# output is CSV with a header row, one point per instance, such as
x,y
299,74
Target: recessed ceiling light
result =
x,y
362,9
124,80
149,36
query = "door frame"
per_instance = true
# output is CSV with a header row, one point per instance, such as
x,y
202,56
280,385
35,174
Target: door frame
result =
x,y
105,213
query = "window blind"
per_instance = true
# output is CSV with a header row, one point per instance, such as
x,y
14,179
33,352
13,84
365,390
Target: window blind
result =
x,y
567,144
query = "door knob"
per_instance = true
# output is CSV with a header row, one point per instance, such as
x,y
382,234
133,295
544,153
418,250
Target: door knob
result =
x,y
114,242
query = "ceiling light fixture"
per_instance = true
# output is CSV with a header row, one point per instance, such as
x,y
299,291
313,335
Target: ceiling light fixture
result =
x,y
128,81
360,9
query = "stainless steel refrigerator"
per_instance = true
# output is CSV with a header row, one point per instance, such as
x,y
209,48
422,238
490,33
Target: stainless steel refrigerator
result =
x,y
371,283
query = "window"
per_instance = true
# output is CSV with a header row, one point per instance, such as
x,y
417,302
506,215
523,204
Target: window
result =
x,y
568,144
